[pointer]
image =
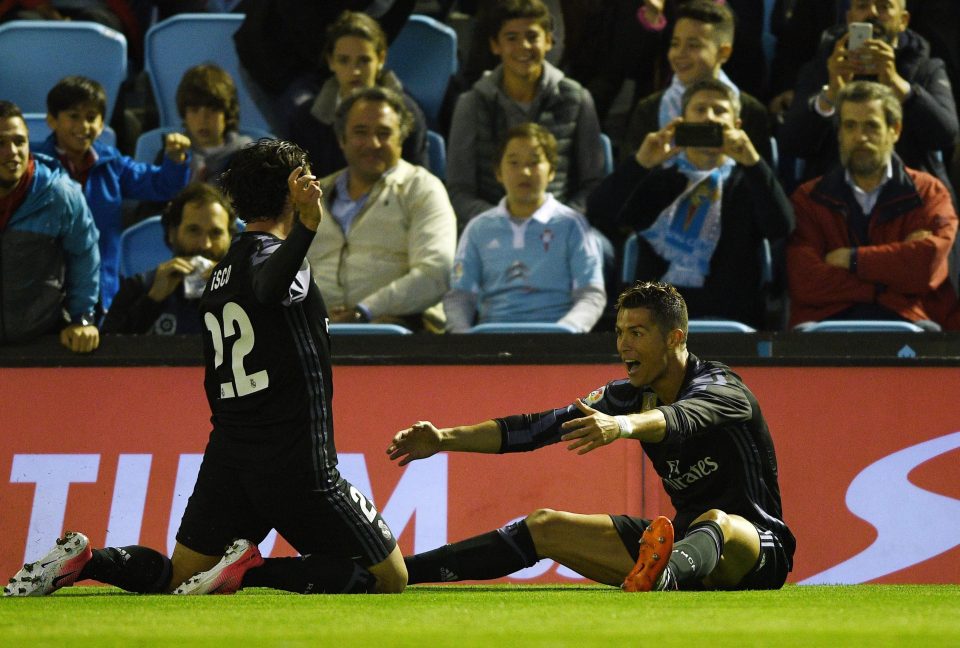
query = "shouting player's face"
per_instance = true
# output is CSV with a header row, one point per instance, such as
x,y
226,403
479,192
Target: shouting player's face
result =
x,y
643,347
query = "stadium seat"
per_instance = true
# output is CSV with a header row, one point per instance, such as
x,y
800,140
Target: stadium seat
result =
x,y
181,41
424,57
36,54
437,154
150,142
522,327
39,130
142,247
718,326
369,329
607,146
859,326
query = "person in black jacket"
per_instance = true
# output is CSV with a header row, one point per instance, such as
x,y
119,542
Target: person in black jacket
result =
x,y
701,213
706,437
197,227
898,58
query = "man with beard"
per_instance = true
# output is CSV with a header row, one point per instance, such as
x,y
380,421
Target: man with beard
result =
x,y
872,235
198,225
895,57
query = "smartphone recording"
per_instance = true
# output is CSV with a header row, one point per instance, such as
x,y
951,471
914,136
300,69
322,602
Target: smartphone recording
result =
x,y
702,135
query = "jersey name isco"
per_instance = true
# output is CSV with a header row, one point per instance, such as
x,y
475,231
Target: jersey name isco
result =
x,y
221,277
697,472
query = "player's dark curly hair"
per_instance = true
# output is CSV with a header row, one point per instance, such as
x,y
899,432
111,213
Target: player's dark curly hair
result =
x,y
665,304
256,181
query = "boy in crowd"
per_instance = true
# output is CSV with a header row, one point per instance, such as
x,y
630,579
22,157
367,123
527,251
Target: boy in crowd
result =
x,y
76,107
208,105
523,88
702,42
530,258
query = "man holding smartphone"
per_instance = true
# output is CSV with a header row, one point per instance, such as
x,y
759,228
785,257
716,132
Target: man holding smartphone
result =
x,y
702,200
876,45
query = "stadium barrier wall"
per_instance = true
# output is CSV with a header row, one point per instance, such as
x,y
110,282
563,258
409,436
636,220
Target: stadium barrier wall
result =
x,y
868,459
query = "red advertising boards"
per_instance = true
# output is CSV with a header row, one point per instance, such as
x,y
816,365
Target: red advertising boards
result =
x,y
869,459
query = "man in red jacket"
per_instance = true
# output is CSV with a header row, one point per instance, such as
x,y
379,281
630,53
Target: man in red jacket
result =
x,y
872,236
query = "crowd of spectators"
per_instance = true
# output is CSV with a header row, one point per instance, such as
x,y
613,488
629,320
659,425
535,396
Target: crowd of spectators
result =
x,y
775,185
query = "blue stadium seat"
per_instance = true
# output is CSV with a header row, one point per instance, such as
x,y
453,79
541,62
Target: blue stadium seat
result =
x,y
150,142
38,53
437,154
607,146
39,130
182,41
369,329
718,326
142,247
859,326
522,327
424,57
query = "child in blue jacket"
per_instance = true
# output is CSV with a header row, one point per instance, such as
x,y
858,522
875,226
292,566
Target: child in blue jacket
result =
x,y
76,107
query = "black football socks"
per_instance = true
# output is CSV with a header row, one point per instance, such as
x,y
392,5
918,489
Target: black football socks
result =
x,y
490,555
311,574
134,569
695,556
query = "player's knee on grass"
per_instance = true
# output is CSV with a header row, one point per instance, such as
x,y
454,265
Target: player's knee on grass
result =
x,y
391,574
741,548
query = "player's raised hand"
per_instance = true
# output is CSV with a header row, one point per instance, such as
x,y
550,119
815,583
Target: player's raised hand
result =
x,y
419,441
305,194
593,430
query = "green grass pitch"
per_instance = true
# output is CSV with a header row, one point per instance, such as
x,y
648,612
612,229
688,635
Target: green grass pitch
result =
x,y
498,615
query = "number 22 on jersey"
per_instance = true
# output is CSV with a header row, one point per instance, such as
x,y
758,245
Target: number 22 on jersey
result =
x,y
235,323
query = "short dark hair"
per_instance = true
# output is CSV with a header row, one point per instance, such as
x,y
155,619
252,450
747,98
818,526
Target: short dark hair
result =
x,y
359,24
71,91
543,137
374,94
710,85
506,10
210,86
709,12
256,180
665,303
8,110
864,91
195,192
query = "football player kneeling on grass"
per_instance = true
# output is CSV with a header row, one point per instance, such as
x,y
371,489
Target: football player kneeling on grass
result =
x,y
270,462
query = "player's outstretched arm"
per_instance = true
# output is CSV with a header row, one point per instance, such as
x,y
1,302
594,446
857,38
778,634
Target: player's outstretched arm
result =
x,y
423,439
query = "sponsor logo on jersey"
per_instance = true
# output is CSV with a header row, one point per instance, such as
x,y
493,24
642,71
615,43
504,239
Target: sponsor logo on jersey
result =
x,y
696,472
674,467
